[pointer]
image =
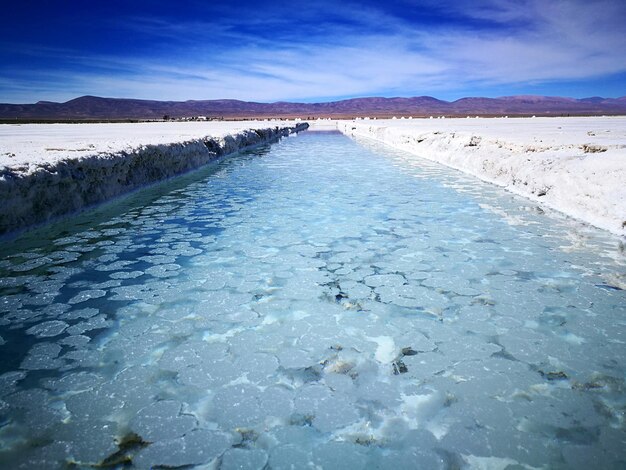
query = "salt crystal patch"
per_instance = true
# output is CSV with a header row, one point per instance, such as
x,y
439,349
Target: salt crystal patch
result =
x,y
9,380
91,441
237,406
42,356
345,455
237,459
289,457
334,413
162,420
81,313
47,329
163,270
295,359
73,382
490,463
378,280
195,448
94,323
87,295
126,274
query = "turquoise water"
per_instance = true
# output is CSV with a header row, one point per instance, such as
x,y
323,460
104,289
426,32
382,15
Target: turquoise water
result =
x,y
317,304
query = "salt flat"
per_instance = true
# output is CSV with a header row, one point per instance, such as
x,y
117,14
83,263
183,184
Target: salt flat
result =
x,y
576,165
28,146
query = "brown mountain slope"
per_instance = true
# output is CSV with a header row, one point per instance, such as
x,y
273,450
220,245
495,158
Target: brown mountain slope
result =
x,y
93,107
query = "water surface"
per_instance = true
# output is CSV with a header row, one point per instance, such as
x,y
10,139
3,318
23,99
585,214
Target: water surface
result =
x,y
316,303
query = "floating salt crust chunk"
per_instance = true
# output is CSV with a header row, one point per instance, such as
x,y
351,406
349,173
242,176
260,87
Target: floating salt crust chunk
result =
x,y
295,359
126,393
83,313
126,274
42,356
237,459
289,456
340,455
333,413
48,329
73,382
242,406
197,447
93,323
356,290
410,458
162,420
328,411
191,353
75,341
258,367
209,375
9,380
97,441
87,295
48,456
380,393
384,280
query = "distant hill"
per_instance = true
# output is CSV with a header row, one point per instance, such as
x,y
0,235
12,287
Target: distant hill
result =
x,y
96,108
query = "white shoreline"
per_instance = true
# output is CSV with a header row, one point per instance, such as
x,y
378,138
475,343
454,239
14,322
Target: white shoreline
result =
x,y
51,170
26,147
575,165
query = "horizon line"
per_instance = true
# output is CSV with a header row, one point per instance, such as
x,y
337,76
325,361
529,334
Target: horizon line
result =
x,y
319,102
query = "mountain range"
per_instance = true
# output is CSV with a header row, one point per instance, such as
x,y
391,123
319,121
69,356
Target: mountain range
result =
x,y
97,108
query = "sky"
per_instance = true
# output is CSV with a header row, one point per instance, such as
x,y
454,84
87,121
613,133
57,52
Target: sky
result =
x,y
307,51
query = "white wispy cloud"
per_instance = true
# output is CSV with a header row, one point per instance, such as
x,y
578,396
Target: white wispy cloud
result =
x,y
361,52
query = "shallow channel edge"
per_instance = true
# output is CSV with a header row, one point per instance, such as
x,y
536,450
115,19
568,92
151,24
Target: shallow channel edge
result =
x,y
584,182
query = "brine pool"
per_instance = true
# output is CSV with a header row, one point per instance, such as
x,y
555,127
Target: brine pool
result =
x,y
320,303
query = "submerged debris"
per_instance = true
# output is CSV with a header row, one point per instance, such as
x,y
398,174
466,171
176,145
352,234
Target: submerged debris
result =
x,y
248,437
587,386
128,445
399,367
366,440
554,375
608,287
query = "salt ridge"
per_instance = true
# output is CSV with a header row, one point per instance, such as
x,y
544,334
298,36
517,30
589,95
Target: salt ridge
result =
x,y
47,171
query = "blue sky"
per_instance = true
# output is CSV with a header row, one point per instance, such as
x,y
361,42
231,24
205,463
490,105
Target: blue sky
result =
x,y
315,50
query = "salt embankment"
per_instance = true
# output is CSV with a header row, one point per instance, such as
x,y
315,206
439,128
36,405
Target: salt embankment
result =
x,y
576,165
51,170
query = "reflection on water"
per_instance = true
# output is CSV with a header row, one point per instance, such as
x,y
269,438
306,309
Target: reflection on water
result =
x,y
319,303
